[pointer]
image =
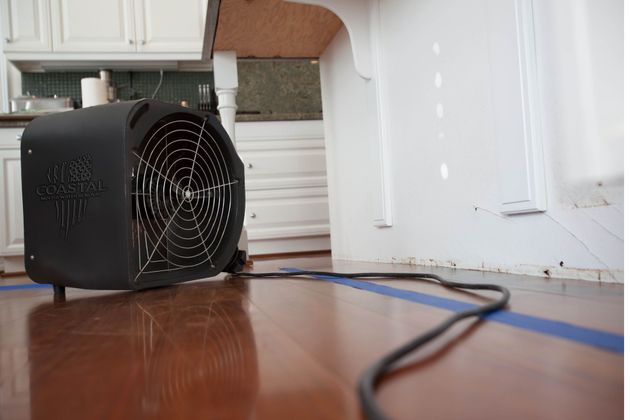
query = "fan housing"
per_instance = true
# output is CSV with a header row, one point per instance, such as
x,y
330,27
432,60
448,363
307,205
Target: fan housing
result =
x,y
129,196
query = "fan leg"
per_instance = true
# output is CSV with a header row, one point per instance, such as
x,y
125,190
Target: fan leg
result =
x,y
239,259
59,291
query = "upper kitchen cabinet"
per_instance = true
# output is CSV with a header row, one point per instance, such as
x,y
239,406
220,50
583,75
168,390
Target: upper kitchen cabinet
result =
x,y
92,26
170,26
25,25
49,32
157,26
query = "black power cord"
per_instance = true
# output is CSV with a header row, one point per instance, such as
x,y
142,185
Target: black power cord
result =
x,y
373,374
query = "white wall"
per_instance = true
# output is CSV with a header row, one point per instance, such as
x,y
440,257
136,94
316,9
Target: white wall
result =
x,y
457,220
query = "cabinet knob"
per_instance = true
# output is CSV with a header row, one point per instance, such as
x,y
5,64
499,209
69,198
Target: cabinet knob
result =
x,y
253,215
18,137
130,41
250,166
143,42
7,40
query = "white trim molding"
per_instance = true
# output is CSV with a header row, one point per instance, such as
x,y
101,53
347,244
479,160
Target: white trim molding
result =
x,y
516,104
362,21
383,205
355,15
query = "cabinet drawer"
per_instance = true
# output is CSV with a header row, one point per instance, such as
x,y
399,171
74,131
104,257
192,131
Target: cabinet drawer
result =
x,y
9,138
287,217
284,168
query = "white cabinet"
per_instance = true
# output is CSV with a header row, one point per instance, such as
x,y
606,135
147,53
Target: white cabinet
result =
x,y
11,216
92,26
97,26
286,186
170,26
12,242
25,25
158,26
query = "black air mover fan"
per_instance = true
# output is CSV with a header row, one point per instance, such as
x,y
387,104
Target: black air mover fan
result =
x,y
130,196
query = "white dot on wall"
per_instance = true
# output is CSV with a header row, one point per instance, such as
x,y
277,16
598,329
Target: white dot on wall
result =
x,y
436,48
444,171
439,110
438,79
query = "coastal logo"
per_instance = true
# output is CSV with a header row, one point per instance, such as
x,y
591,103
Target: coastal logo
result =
x,y
71,186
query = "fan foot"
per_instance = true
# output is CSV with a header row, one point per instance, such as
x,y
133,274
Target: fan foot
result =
x,y
239,259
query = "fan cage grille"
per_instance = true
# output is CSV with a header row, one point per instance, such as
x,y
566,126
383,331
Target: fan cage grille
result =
x,y
184,199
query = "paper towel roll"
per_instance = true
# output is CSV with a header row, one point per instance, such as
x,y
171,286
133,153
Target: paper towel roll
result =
x,y
93,91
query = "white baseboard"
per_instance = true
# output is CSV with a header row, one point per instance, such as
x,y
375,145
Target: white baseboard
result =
x,y
281,246
13,265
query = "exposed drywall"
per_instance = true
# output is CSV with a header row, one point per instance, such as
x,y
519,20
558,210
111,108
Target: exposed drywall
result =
x,y
445,189
274,28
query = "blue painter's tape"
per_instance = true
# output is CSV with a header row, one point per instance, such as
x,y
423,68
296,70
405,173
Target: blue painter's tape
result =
x,y
24,286
589,336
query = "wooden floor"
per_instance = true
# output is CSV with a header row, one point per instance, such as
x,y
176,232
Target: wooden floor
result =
x,y
288,348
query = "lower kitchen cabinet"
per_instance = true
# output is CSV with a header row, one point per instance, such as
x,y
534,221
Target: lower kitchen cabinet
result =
x,y
286,186
11,218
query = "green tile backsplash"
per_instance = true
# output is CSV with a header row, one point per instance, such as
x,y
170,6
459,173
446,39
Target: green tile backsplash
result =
x,y
176,86
279,86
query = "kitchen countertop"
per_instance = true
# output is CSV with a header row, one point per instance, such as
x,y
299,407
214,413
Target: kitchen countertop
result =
x,y
16,120
22,120
279,117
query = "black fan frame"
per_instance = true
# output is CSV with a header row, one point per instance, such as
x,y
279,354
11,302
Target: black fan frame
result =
x,y
97,252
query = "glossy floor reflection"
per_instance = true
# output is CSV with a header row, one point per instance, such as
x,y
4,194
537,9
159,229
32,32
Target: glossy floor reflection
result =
x,y
290,348
182,351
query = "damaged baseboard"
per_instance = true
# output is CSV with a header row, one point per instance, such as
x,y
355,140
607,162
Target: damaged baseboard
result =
x,y
555,272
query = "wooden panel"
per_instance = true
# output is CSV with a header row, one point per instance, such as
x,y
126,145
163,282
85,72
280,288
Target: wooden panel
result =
x,y
26,25
9,138
287,154
287,196
274,28
13,265
170,26
11,216
284,255
92,26
287,168
289,245
289,217
288,225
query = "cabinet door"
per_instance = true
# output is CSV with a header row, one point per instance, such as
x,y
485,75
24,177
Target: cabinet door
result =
x,y
170,26
92,26
12,239
25,25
